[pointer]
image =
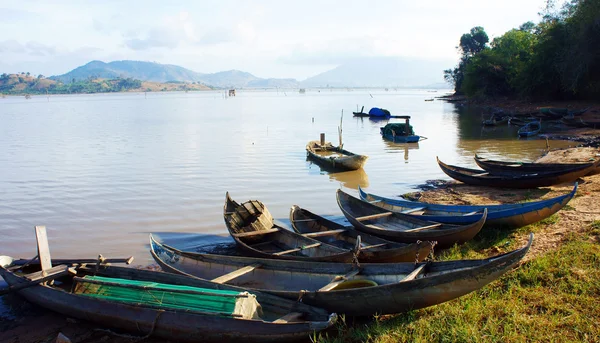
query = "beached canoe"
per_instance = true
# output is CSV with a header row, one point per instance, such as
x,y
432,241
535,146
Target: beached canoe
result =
x,y
189,310
253,229
528,180
503,167
402,227
530,129
372,248
499,216
334,158
387,287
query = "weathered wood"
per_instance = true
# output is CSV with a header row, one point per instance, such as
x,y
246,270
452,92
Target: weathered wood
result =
x,y
374,216
285,252
22,263
290,317
416,209
373,246
324,233
38,277
338,280
414,273
43,248
255,233
424,228
235,274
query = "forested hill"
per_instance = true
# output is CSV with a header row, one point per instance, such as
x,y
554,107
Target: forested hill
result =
x,y
156,72
558,58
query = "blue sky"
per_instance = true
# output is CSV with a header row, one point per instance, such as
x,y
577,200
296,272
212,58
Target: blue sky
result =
x,y
295,39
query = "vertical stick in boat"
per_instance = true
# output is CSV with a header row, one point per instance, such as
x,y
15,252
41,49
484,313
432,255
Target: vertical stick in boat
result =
x,y
43,249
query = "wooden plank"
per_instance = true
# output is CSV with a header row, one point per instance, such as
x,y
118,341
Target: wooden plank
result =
x,y
37,278
43,248
416,209
21,263
235,274
290,317
414,273
324,233
374,216
373,246
424,227
375,227
285,252
254,233
337,280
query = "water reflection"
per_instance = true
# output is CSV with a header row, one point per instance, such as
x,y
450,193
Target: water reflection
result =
x,y
393,148
351,179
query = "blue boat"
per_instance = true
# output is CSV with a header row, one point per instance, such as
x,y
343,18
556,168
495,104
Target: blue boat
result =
x,y
506,215
399,132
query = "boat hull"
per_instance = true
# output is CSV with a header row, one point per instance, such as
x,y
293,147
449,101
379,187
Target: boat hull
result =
x,y
348,160
499,216
502,167
440,282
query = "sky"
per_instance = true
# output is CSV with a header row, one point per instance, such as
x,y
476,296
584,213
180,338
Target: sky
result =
x,y
270,38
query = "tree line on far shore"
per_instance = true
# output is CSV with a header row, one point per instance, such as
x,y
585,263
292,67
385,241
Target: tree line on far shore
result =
x,y
24,83
558,58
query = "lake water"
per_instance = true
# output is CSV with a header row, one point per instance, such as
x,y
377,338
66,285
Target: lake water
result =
x,y
103,171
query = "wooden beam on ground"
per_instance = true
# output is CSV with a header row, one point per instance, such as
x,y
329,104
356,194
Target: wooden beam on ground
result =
x,y
414,273
285,252
235,274
254,233
324,233
424,228
374,216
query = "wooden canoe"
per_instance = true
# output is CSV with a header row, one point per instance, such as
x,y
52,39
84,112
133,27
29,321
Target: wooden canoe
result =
x,y
530,129
396,287
372,249
532,180
499,216
281,319
253,229
334,158
401,227
503,167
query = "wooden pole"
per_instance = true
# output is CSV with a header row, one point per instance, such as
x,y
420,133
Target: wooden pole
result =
x,y
322,139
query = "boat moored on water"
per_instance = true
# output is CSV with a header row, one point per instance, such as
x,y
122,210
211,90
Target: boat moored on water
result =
x,y
334,158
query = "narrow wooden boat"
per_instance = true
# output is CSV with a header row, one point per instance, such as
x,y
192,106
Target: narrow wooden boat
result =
x,y
334,158
372,249
92,299
530,129
253,229
495,121
401,227
499,216
532,180
519,121
387,287
503,167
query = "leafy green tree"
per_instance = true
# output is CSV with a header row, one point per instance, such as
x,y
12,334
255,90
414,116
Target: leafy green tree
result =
x,y
473,42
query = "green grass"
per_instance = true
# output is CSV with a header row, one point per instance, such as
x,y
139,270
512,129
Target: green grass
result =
x,y
552,298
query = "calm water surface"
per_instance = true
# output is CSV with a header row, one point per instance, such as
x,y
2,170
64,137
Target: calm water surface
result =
x,y
104,171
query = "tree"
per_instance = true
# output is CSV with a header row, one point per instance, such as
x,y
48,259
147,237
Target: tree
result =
x,y
473,42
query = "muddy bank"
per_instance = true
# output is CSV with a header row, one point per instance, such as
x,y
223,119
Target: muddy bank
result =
x,y
586,136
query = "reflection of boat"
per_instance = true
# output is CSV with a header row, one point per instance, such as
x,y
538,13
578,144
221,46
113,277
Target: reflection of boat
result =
x,y
505,215
334,158
351,179
401,227
372,249
401,147
252,227
395,287
530,129
480,177
513,167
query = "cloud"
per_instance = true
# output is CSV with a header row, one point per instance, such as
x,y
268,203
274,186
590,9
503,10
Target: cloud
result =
x,y
217,36
155,38
331,52
30,48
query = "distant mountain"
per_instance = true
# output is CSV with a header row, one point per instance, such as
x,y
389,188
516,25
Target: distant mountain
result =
x,y
381,72
150,71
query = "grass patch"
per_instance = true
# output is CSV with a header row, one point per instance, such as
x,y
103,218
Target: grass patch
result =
x,y
568,207
554,298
